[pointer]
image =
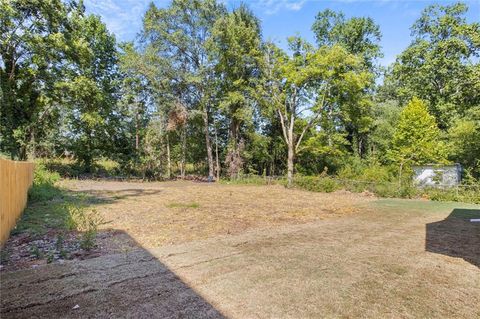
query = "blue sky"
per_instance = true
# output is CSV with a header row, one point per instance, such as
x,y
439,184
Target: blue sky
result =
x,y
283,18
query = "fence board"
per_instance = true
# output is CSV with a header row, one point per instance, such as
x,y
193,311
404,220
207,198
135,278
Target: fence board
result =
x,y
15,180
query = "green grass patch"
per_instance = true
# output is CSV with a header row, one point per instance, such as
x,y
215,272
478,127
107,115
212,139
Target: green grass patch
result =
x,y
183,205
51,207
384,186
397,205
253,180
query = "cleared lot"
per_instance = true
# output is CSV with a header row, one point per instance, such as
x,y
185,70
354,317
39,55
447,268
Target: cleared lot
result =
x,y
197,250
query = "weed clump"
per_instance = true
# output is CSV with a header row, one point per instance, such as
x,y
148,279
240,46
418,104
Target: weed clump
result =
x,y
85,221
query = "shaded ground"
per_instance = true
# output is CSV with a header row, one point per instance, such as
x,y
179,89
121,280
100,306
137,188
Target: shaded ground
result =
x,y
370,258
456,236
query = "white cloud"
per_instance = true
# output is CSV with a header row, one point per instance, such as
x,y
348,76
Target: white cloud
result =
x,y
122,17
273,6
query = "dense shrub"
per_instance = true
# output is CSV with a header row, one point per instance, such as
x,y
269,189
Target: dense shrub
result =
x,y
368,171
468,194
317,183
43,188
70,168
254,180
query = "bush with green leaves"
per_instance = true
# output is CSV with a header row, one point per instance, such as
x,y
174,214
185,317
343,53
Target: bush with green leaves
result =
x,y
43,188
316,183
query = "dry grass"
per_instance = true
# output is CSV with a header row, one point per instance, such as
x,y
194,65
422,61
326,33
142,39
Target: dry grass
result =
x,y
294,254
155,214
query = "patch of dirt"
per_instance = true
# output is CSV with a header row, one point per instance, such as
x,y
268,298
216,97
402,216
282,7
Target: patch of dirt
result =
x,y
158,213
23,251
155,214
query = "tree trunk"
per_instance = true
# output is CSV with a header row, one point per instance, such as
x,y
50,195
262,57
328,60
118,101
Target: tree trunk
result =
x,y
137,138
87,154
184,150
208,145
217,161
32,145
291,151
233,159
290,164
400,175
169,164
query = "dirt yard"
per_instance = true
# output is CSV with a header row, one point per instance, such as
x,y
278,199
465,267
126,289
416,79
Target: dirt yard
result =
x,y
196,250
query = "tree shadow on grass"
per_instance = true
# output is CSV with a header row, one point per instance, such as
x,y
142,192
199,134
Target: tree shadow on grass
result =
x,y
109,196
47,228
456,236
132,284
50,212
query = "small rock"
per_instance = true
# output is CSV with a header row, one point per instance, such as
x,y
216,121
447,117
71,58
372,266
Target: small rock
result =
x,y
76,307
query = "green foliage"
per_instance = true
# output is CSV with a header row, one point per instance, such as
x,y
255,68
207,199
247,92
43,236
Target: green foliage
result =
x,y
51,207
356,169
152,163
33,50
85,221
252,179
102,167
417,138
464,141
183,205
235,45
386,115
470,194
315,89
439,66
43,188
317,183
178,60
200,81
90,88
35,252
360,36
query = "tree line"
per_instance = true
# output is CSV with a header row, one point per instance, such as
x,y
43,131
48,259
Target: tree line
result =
x,y
201,90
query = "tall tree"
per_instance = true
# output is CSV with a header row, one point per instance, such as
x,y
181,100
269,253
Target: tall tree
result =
x,y
136,93
386,115
178,36
309,86
358,35
464,141
441,64
34,37
236,49
417,137
91,88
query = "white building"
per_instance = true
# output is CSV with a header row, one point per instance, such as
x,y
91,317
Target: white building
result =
x,y
435,175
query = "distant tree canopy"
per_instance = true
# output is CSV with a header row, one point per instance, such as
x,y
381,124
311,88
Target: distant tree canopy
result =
x,y
200,91
441,64
358,35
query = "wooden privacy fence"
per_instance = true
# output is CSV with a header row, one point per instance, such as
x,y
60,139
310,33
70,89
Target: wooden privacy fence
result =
x,y
15,180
